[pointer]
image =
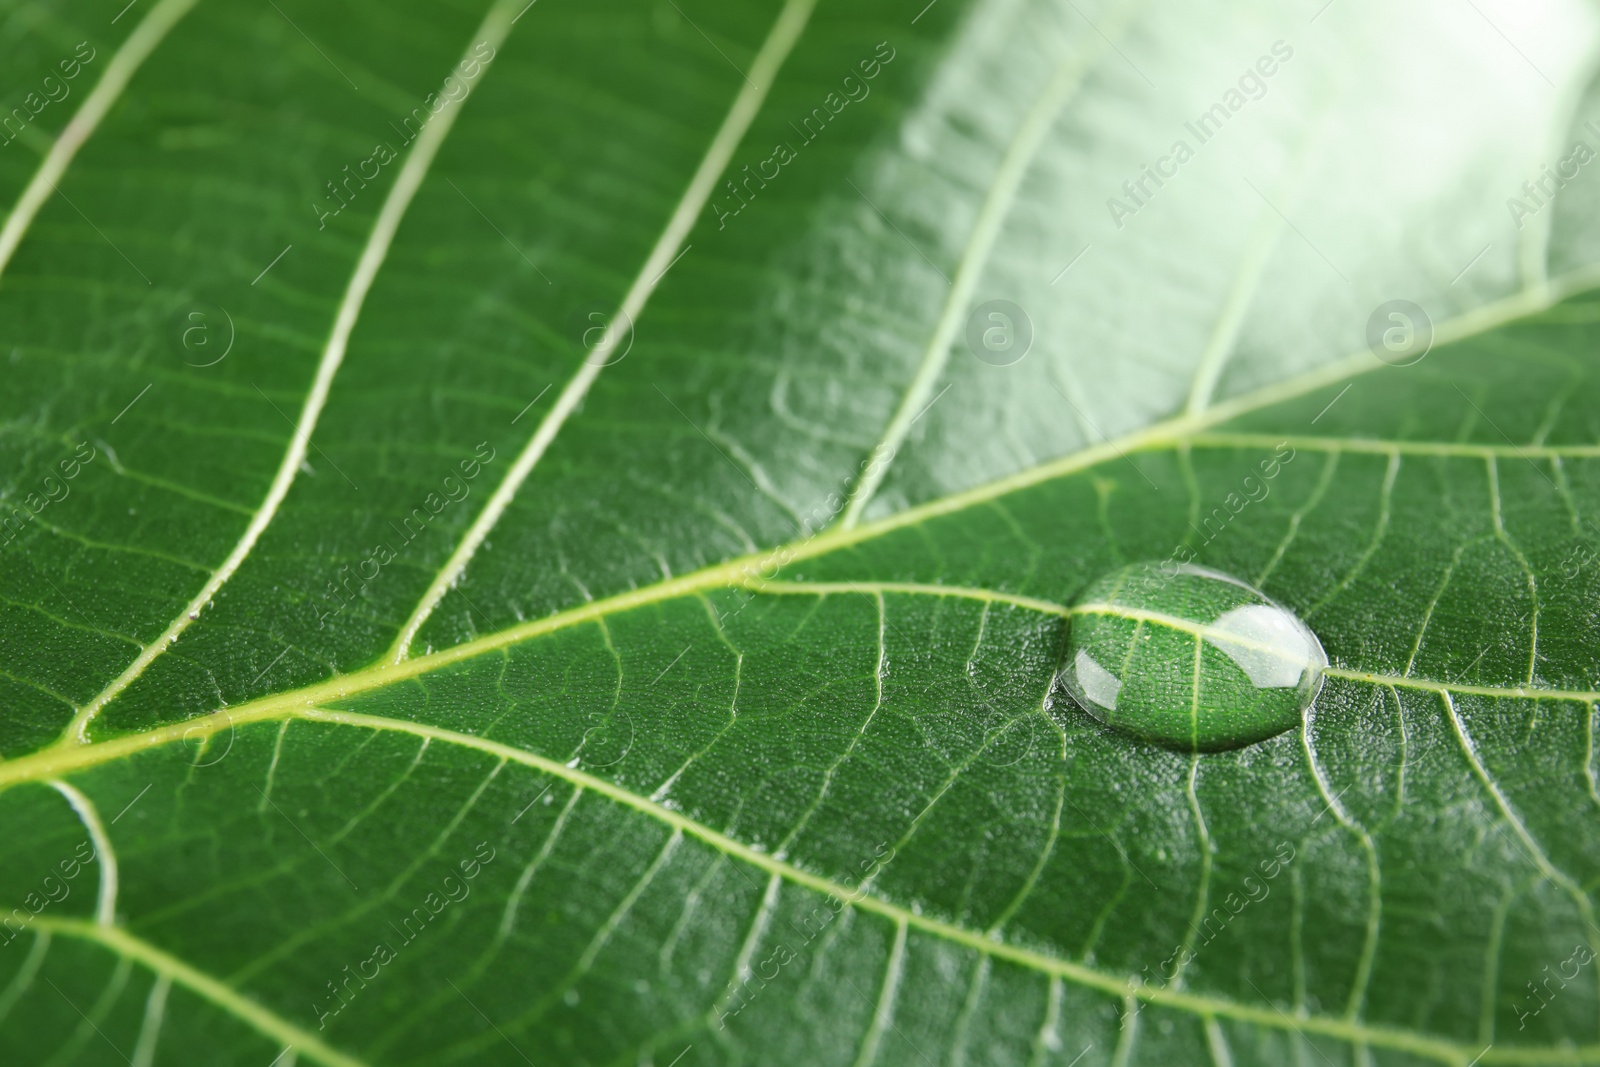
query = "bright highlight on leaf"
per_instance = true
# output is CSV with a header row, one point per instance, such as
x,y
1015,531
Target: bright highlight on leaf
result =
x,y
609,533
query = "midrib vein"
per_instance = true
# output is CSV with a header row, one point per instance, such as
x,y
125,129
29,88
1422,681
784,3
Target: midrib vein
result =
x,y
780,41
1165,433
125,62
1002,193
495,26
66,756
1180,429
1197,1004
742,570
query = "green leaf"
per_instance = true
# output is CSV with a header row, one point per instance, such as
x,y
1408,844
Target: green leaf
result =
x,y
1189,657
524,539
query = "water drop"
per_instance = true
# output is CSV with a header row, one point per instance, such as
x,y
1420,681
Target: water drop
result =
x,y
1192,659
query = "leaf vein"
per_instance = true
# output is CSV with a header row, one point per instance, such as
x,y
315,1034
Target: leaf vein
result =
x,y
495,26
780,40
1062,86
129,57
1429,1046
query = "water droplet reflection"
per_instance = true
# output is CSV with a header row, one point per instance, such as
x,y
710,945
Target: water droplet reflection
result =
x,y
1190,658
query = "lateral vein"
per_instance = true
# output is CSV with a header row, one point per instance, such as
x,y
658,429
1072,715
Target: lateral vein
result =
x,y
780,41
495,26
105,912
224,996
742,571
997,204
127,60
1204,1005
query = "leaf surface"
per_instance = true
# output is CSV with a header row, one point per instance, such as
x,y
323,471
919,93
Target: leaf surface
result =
x,y
582,603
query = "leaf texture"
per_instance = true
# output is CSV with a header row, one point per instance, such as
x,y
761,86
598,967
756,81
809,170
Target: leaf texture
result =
x,y
598,609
